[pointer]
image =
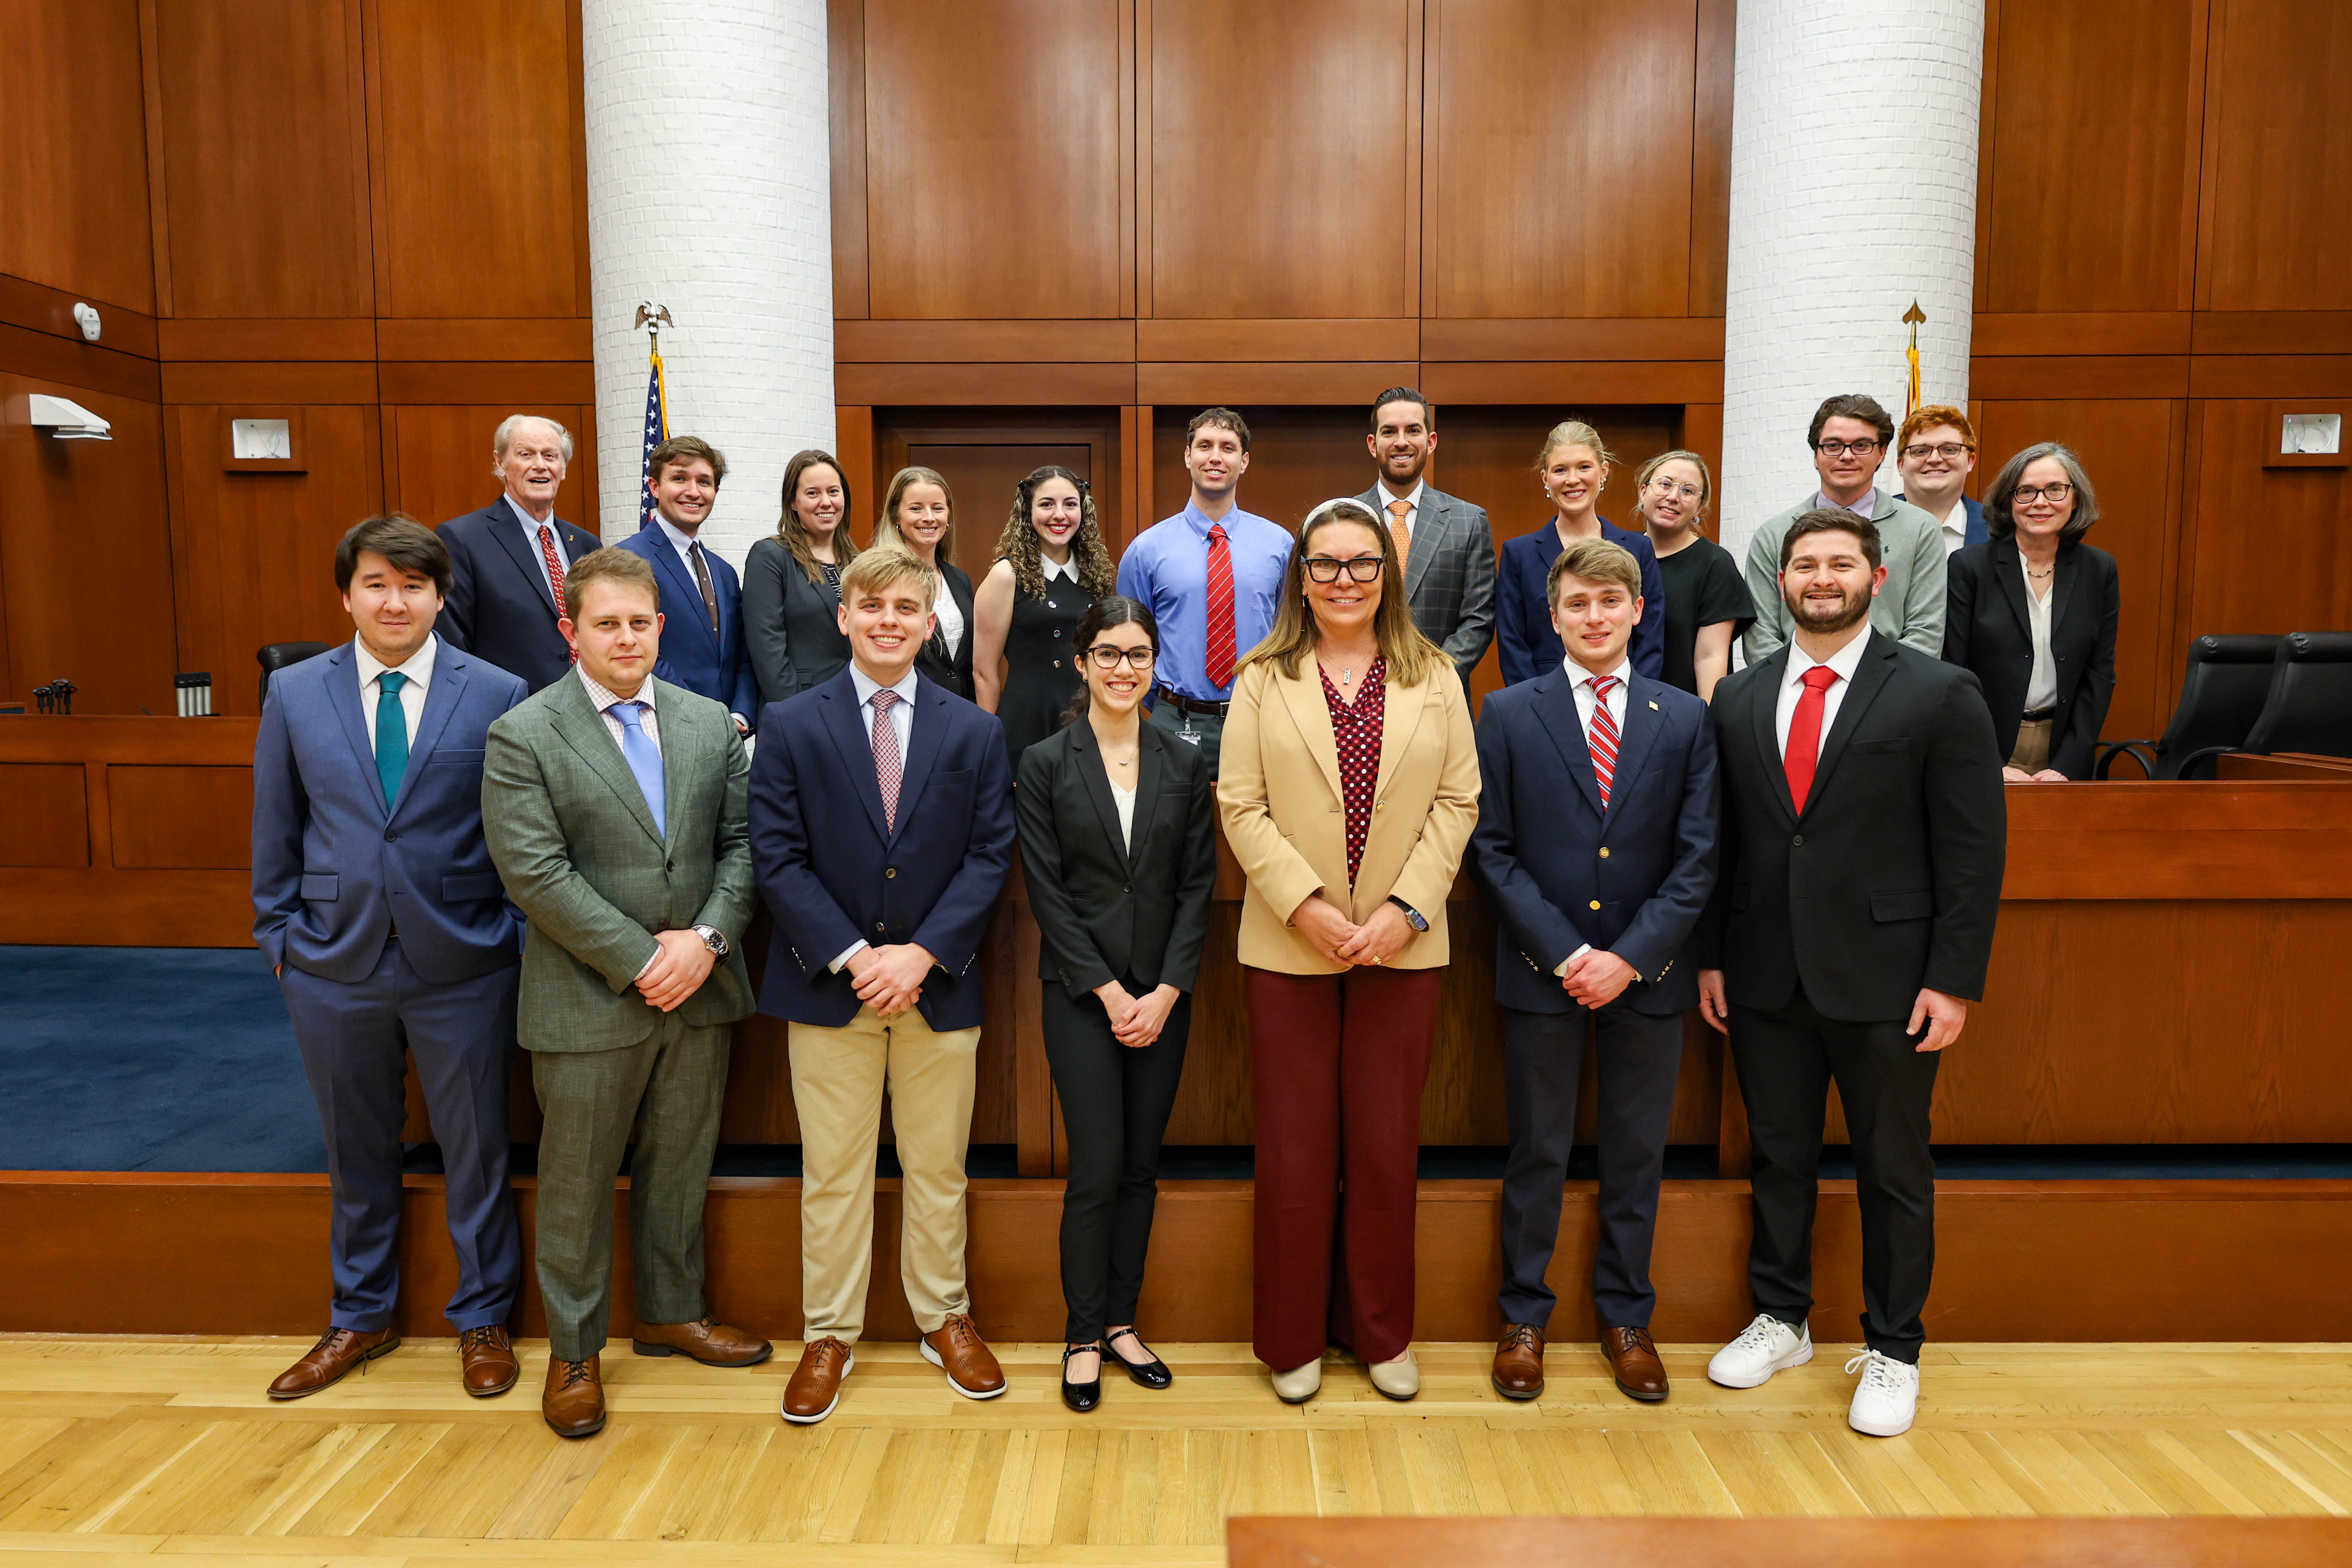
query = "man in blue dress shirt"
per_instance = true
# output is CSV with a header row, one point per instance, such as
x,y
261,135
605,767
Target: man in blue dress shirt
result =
x,y
1211,575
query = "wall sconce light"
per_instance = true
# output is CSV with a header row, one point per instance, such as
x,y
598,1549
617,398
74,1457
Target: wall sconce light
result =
x,y
68,420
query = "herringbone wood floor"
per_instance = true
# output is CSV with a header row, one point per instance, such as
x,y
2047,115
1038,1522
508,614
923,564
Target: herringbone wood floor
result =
x,y
133,1447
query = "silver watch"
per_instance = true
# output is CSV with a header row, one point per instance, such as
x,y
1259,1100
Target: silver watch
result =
x,y
714,939
1412,917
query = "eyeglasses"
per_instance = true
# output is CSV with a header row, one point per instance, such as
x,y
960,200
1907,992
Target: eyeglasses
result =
x,y
1862,449
1108,658
1362,568
1673,488
1950,451
2052,493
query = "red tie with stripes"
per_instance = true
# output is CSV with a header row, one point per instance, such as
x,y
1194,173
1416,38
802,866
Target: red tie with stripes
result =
x,y
548,554
1220,660
1603,735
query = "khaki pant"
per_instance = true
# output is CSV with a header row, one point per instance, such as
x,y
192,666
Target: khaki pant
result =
x,y
838,1080
2033,751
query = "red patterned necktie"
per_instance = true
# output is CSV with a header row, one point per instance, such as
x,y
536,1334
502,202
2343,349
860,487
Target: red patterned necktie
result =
x,y
1804,749
1602,735
554,573
886,757
1220,662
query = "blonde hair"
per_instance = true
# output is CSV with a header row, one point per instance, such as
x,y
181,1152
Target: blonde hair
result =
x,y
1594,560
1409,654
1573,433
886,529
610,564
879,565
1650,470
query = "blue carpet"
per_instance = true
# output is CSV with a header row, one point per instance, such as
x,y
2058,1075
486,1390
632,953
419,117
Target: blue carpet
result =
x,y
142,1058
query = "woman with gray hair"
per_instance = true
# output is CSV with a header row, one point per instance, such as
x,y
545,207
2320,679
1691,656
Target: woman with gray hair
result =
x,y
2033,612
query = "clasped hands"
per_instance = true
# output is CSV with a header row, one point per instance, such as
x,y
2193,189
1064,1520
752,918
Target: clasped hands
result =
x,y
680,964
890,979
1342,940
1136,1021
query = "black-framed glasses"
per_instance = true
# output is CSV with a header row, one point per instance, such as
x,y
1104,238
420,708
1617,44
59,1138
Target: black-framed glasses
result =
x,y
2051,493
1862,449
1107,658
1950,451
1362,568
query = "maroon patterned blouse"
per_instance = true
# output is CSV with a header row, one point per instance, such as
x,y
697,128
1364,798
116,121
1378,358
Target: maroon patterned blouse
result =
x,y
1357,728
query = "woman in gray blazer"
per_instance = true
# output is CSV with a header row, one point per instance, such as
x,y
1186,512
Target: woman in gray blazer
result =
x,y
792,584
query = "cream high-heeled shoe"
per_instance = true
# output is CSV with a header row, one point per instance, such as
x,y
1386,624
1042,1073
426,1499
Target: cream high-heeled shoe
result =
x,y
1399,1379
1300,1385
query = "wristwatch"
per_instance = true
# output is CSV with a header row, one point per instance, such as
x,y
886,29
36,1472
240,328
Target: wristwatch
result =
x,y
1412,917
714,939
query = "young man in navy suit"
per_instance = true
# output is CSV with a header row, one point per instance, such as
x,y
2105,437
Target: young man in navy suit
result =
x,y
1596,842
881,830
508,561
376,904
701,598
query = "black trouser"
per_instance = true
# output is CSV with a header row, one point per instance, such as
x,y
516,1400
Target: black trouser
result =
x,y
1786,1059
1543,1060
1115,1104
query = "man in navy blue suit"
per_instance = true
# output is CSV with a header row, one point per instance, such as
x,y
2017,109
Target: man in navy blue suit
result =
x,y
1596,843
376,904
507,561
701,598
881,831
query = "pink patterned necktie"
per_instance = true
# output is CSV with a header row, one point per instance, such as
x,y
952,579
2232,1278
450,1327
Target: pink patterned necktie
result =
x,y
886,757
1603,735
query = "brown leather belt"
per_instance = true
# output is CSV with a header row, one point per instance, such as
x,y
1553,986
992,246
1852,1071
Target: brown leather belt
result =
x,y
1184,704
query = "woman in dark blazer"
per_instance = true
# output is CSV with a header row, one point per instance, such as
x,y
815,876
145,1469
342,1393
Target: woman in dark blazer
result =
x,y
1118,854
792,584
2033,612
918,515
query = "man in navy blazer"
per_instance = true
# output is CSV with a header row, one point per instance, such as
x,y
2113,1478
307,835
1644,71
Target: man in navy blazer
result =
x,y
508,561
1596,843
376,904
881,830
701,598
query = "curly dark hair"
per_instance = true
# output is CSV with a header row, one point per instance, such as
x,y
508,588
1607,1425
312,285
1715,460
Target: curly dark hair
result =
x,y
1018,543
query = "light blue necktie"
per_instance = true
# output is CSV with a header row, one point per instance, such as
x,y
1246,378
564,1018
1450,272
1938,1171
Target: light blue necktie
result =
x,y
637,750
390,735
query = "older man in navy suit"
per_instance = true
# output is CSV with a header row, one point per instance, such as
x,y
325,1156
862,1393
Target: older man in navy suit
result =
x,y
701,598
1596,842
508,561
376,904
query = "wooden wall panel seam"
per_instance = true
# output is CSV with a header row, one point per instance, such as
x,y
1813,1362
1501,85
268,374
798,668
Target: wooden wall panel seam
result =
x,y
150,72
1988,165
2199,116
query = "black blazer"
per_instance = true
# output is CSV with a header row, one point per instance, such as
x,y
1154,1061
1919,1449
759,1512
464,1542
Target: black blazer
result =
x,y
1986,630
1107,913
1891,879
955,674
790,632
497,607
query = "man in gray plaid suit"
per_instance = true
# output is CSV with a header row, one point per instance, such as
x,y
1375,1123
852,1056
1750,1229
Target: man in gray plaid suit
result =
x,y
1443,543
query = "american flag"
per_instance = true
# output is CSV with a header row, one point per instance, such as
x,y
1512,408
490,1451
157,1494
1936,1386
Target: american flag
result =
x,y
656,432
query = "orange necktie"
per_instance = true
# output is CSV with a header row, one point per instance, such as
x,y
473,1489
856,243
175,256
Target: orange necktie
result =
x,y
1402,531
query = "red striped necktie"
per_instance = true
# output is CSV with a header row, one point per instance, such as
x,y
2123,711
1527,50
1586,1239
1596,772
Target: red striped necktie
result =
x,y
1221,650
1603,735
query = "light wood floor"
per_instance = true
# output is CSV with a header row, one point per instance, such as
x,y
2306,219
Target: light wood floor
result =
x,y
118,1447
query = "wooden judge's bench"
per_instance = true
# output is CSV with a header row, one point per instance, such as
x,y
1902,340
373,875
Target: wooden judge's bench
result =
x,y
2166,972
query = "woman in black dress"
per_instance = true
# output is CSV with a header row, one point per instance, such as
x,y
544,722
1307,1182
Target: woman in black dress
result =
x,y
792,584
1052,565
919,516
1707,598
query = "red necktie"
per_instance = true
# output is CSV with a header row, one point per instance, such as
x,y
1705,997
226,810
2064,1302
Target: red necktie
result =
x,y
1602,735
1220,661
1804,751
554,573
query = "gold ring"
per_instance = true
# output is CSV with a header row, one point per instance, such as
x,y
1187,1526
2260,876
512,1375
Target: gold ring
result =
x,y
1378,959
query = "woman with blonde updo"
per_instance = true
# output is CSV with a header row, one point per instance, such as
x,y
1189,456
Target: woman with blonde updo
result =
x,y
1571,471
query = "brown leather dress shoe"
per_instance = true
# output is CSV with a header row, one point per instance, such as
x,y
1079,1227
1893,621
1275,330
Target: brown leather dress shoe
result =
x,y
956,1348
331,1358
1519,1362
710,1342
487,1362
573,1401
815,1385
1633,1357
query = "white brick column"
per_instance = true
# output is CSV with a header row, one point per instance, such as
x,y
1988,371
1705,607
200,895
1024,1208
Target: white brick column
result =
x,y
1853,192
709,192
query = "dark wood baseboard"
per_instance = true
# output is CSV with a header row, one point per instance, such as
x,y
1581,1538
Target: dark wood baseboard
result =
x,y
2091,1260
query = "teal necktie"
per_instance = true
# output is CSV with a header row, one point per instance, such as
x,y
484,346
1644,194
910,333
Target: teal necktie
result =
x,y
390,735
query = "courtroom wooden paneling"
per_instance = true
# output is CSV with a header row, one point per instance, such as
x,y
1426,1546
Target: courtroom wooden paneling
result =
x,y
41,309
173,817
2276,234
253,553
983,455
1277,190
2292,520
265,158
1710,212
437,462
846,128
1562,158
2094,110
48,814
994,185
73,185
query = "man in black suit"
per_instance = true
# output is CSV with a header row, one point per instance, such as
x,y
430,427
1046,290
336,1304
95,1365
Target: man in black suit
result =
x,y
1864,831
1442,542
508,560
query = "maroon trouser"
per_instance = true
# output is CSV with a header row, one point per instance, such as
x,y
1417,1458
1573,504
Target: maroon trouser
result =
x,y
1338,1062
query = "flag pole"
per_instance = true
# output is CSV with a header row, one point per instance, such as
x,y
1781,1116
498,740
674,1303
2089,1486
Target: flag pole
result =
x,y
652,317
1914,316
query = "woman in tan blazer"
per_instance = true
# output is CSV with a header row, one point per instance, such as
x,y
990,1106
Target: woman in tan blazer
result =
x,y
1350,787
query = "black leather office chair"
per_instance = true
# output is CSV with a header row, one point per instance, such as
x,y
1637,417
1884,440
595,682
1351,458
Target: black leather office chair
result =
x,y
2310,704
277,656
2222,695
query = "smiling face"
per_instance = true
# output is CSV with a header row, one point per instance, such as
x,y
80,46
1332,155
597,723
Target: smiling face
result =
x,y
617,634
1573,476
887,627
1342,605
1846,473
532,469
1595,622
1670,501
818,500
391,609
1934,463
923,518
1117,691
684,491
2040,519
1055,513
1216,462
1828,582
1401,442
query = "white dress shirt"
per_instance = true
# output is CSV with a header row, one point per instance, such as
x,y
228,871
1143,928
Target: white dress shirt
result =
x,y
1955,529
1125,800
1584,697
683,543
1065,570
1845,662
531,527
951,615
2041,685
419,670
1411,498
902,722
606,701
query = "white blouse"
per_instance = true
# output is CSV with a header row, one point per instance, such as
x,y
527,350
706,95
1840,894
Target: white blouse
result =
x,y
1125,800
2041,685
951,615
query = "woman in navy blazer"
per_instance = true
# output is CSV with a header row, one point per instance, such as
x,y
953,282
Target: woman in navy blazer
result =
x,y
1573,468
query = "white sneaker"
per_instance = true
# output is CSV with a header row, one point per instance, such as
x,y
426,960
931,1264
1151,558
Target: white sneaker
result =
x,y
1887,1398
1764,1347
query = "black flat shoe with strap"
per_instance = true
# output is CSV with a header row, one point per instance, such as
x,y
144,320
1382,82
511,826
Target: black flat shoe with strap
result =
x,y
1152,1373
1081,1397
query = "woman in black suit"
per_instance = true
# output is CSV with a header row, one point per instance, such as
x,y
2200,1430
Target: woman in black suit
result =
x,y
792,584
918,515
2033,612
1119,853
